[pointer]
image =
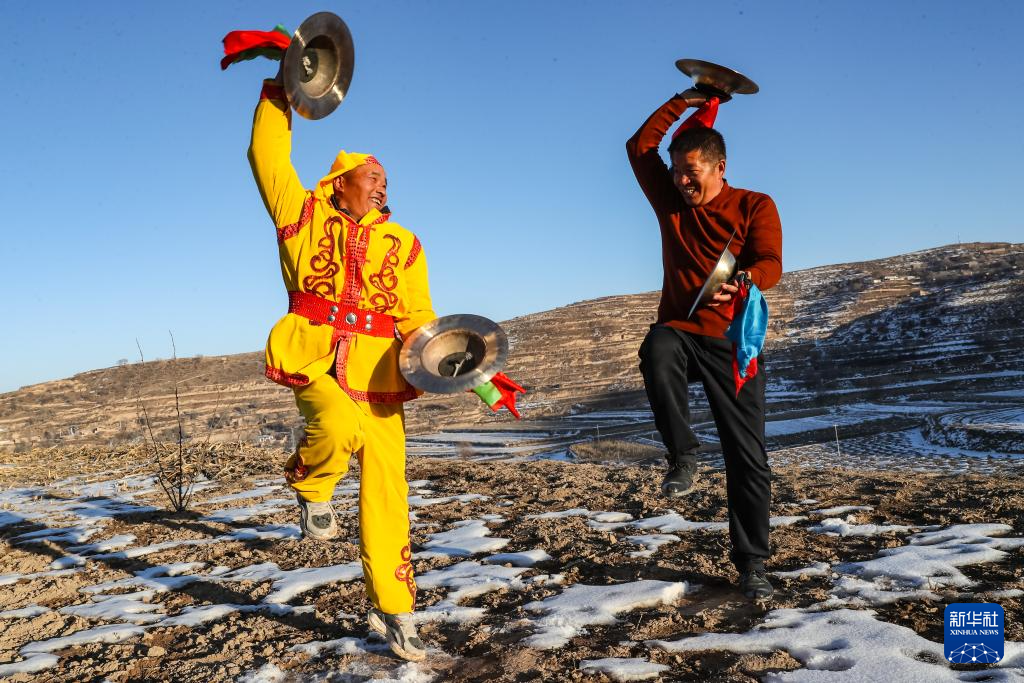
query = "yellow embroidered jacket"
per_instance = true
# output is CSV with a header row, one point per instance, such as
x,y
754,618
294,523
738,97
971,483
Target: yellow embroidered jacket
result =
x,y
374,265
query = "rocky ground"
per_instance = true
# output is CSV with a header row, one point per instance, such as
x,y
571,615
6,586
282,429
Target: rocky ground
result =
x,y
215,610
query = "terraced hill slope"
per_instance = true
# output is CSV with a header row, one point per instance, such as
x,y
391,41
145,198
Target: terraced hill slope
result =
x,y
939,323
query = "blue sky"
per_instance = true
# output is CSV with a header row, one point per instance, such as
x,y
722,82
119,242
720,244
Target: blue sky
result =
x,y
129,209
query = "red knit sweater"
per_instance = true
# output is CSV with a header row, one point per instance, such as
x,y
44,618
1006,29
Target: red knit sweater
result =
x,y
692,238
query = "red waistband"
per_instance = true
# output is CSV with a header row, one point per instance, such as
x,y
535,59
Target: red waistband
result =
x,y
349,318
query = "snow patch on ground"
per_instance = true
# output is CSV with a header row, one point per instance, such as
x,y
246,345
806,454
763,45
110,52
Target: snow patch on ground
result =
x,y
786,520
569,613
272,532
470,579
420,501
286,584
196,616
816,569
240,514
268,673
833,526
291,583
841,510
650,543
342,646
850,591
526,558
28,665
111,633
6,579
673,521
467,538
118,608
572,512
113,543
931,558
353,671
27,612
158,579
258,492
610,517
837,646
601,520
624,669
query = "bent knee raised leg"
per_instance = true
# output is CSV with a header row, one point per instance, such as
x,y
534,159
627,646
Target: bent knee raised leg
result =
x,y
661,345
330,433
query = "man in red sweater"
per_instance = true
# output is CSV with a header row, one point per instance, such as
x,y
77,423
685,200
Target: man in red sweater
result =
x,y
698,212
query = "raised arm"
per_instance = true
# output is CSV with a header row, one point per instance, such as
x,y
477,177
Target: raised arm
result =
x,y
270,154
642,149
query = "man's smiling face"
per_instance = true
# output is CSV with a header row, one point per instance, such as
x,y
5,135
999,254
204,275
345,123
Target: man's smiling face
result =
x,y
362,189
698,180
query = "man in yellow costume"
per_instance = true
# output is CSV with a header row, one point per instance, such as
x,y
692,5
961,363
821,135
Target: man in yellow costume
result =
x,y
354,280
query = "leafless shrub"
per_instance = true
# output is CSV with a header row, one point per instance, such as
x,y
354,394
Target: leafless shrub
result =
x,y
181,461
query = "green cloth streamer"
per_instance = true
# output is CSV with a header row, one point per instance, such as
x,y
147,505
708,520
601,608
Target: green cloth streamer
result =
x,y
488,393
268,52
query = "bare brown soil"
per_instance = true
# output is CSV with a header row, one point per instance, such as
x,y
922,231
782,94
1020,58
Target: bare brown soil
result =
x,y
490,650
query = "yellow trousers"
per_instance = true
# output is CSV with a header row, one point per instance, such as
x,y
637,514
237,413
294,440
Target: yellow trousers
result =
x,y
336,427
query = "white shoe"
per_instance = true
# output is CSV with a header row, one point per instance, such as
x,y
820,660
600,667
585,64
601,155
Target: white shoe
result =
x,y
400,633
317,520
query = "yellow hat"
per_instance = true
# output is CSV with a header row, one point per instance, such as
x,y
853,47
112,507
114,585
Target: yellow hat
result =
x,y
345,162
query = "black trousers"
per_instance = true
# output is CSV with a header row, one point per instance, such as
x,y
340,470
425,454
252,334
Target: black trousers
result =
x,y
669,360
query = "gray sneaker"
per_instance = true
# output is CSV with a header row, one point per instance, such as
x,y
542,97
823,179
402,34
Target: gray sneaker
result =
x,y
400,633
317,520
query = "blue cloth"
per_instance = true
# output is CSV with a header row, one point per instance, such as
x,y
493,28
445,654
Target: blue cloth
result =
x,y
748,329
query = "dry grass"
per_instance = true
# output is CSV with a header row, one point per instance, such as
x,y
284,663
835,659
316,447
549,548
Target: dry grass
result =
x,y
616,450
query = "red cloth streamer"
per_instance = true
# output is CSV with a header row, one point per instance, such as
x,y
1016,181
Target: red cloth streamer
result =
x,y
238,42
737,377
704,117
508,389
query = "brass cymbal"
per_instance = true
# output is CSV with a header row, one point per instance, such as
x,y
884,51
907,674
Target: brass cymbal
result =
x,y
318,65
714,79
720,274
453,354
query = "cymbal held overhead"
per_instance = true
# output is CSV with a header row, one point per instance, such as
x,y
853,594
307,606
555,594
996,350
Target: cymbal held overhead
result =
x,y
714,80
318,65
317,62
